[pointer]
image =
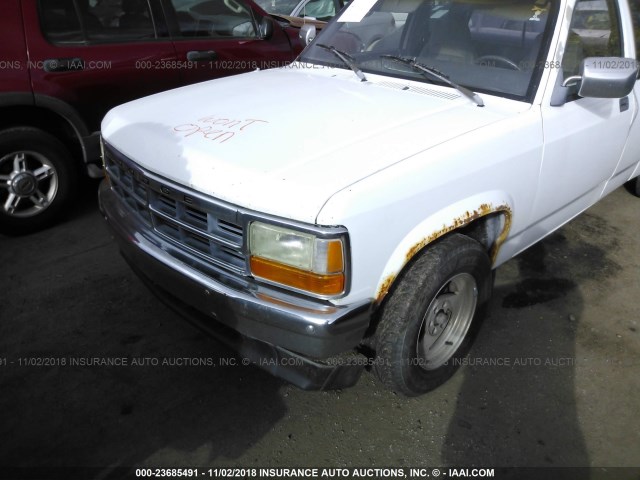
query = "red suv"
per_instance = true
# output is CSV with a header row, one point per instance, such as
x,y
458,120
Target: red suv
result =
x,y
64,63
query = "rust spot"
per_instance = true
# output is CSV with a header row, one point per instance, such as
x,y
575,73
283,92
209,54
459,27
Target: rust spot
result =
x,y
384,288
458,222
503,235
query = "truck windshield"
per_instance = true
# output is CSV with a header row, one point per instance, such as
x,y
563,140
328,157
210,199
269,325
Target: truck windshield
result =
x,y
492,46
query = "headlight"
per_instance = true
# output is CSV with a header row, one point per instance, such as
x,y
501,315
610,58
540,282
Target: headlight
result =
x,y
297,259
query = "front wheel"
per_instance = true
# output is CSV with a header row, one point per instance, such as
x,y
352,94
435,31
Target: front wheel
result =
x,y
37,180
428,323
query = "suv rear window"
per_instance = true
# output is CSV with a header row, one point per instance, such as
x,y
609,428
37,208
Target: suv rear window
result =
x,y
93,21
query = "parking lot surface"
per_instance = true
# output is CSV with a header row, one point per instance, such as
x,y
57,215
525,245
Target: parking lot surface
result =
x,y
95,371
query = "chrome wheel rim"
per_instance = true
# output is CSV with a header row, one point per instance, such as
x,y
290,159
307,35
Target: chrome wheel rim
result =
x,y
28,183
447,320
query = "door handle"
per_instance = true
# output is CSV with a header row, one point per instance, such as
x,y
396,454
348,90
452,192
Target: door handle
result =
x,y
201,55
624,104
63,64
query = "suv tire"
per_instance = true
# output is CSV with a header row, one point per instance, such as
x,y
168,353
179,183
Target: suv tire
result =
x,y
36,180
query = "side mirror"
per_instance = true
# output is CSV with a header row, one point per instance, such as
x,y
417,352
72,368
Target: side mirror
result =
x,y
605,77
266,28
307,33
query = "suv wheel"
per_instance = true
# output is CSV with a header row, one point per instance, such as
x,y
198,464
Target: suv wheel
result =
x,y
36,180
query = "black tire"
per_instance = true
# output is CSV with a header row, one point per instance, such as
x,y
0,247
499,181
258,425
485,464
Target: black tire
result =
x,y
37,180
634,186
438,299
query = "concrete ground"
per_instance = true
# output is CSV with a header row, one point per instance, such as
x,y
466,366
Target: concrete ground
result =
x,y
552,380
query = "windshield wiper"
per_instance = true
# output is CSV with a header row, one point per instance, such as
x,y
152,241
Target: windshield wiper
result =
x,y
474,97
346,59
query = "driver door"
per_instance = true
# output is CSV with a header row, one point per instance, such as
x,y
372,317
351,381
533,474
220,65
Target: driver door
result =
x,y
584,137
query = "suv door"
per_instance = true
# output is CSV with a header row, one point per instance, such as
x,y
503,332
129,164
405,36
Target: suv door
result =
x,y
217,38
94,54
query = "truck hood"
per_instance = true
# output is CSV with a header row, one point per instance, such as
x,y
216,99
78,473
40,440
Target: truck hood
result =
x,y
284,141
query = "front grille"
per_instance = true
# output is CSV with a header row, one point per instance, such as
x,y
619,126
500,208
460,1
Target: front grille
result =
x,y
200,226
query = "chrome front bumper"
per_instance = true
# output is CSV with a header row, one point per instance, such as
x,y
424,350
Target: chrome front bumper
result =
x,y
271,323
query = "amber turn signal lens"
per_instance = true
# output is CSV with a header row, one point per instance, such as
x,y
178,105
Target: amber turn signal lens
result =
x,y
335,260
296,278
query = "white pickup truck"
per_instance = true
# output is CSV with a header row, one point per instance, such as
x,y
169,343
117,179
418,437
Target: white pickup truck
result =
x,y
347,211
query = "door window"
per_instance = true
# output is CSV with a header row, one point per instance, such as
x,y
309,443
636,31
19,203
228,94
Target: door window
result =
x,y
96,21
594,32
635,15
319,9
279,7
214,19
